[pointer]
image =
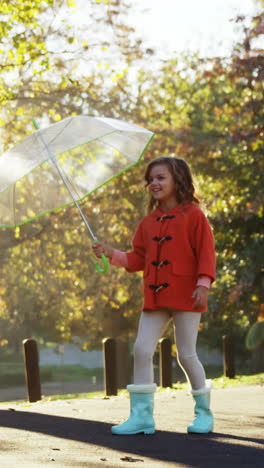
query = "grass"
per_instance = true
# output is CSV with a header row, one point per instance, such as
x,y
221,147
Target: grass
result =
x,y
223,382
73,373
72,396
13,374
219,382
67,396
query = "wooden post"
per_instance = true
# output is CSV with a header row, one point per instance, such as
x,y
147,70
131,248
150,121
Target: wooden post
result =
x,y
228,356
32,369
165,362
123,364
110,374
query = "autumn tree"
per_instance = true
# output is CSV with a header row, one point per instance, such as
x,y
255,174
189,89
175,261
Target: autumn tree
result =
x,y
51,69
210,111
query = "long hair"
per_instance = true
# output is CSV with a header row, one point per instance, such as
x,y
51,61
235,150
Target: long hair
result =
x,y
182,176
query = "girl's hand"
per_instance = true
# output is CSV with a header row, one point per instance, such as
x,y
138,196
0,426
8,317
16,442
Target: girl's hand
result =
x,y
200,295
100,248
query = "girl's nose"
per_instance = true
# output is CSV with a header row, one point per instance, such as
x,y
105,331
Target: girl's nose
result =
x,y
153,182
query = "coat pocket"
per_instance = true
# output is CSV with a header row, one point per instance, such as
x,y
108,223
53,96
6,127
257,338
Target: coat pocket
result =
x,y
187,268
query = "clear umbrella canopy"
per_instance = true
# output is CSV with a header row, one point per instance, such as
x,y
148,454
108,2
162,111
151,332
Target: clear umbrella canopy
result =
x,y
89,151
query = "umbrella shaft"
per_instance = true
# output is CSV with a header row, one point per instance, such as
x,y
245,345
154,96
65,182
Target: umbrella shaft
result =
x,y
66,183
55,162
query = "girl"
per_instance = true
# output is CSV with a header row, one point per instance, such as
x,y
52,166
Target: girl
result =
x,y
174,246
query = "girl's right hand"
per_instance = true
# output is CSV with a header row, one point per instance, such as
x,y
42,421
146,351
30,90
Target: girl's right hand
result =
x,y
100,248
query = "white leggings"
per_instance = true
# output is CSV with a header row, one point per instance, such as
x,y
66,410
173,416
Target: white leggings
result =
x,y
151,327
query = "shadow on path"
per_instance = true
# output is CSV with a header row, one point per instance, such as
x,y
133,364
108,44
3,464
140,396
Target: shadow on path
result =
x,y
197,451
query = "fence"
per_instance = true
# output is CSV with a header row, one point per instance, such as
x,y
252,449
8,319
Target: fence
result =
x,y
116,372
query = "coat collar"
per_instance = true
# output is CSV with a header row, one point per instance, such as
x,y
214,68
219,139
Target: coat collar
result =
x,y
183,208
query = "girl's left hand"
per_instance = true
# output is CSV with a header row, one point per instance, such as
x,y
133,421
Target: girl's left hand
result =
x,y
200,295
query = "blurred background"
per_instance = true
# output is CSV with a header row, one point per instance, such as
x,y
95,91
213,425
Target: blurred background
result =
x,y
191,73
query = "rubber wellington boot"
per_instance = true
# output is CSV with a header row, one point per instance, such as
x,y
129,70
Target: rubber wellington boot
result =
x,y
141,411
204,420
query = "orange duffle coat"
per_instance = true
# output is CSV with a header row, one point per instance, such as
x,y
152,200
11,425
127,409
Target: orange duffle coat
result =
x,y
173,249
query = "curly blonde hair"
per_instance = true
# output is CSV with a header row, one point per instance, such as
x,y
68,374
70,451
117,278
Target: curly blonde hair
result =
x,y
182,176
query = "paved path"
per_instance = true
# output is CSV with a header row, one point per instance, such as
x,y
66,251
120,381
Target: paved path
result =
x,y
76,433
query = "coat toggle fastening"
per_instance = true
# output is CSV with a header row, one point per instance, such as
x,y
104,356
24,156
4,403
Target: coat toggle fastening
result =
x,y
161,239
158,287
160,264
162,218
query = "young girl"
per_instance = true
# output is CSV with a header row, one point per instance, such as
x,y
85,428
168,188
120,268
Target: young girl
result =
x,y
174,246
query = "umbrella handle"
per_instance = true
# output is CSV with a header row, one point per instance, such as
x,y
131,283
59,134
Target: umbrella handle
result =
x,y
105,265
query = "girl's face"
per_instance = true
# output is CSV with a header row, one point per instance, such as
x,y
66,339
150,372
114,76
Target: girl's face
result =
x,y
162,186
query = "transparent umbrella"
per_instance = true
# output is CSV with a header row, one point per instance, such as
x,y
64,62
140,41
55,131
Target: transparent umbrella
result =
x,y
60,165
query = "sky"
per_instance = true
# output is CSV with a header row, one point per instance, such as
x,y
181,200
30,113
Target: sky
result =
x,y
180,25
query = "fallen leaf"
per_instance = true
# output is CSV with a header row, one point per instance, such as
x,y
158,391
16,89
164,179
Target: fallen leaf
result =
x,y
131,459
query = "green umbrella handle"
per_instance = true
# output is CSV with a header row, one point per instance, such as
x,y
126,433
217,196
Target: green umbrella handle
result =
x,y
105,265
97,265
35,123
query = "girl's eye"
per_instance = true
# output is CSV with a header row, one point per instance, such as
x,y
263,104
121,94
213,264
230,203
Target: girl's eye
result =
x,y
157,178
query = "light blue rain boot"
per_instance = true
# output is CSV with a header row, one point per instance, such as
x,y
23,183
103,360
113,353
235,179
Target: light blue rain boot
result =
x,y
204,420
141,411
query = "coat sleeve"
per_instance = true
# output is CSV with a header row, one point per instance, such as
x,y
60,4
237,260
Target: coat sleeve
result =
x,y
202,240
136,258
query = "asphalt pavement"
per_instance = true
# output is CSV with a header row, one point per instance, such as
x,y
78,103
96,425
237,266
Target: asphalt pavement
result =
x,y
76,433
